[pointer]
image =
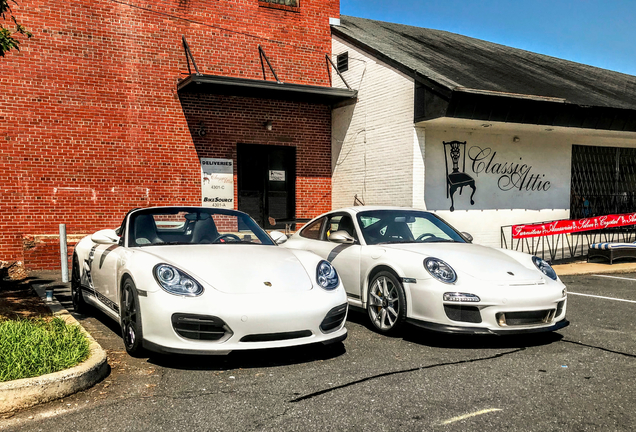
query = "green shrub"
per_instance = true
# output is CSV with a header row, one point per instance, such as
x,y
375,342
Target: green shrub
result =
x,y
34,347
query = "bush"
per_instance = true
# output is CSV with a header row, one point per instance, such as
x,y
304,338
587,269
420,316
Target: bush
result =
x,y
34,347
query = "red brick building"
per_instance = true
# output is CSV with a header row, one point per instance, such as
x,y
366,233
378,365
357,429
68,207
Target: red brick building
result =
x,y
102,111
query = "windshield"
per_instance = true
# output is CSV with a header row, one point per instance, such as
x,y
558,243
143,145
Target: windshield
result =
x,y
405,226
193,225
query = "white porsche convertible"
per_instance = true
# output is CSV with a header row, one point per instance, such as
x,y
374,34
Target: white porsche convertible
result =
x,y
206,281
405,265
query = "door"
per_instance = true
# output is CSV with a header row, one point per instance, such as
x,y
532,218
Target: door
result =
x,y
267,183
103,270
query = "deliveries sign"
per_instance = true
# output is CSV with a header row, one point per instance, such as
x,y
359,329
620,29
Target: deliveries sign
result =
x,y
572,226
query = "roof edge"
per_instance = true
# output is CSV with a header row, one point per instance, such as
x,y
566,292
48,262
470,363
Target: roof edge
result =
x,y
433,85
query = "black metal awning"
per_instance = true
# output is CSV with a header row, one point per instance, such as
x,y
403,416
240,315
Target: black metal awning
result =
x,y
213,84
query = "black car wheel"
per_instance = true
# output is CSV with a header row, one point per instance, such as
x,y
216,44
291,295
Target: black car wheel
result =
x,y
131,329
77,297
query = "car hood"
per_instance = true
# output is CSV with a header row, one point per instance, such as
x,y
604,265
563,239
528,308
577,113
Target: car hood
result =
x,y
238,269
480,262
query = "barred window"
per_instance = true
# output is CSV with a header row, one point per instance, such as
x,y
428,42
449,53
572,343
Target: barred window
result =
x,y
293,3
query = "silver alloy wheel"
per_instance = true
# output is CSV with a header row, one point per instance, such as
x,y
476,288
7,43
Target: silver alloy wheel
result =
x,y
384,303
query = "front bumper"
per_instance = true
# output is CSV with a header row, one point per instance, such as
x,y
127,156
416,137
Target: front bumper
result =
x,y
444,328
501,309
250,321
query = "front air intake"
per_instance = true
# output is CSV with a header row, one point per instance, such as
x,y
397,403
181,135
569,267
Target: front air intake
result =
x,y
334,318
463,313
201,327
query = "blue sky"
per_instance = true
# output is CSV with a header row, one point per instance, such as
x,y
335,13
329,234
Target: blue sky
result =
x,y
594,32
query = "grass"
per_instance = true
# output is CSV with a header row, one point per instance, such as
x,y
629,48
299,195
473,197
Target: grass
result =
x,y
34,347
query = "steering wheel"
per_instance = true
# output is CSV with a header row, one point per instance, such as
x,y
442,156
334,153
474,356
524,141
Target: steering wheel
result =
x,y
222,237
423,237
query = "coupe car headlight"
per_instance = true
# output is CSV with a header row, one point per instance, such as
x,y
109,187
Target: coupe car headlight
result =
x,y
175,281
544,267
326,275
440,270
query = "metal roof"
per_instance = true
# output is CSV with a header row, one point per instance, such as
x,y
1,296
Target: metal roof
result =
x,y
200,83
455,66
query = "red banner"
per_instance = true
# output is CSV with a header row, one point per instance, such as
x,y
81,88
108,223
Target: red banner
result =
x,y
572,226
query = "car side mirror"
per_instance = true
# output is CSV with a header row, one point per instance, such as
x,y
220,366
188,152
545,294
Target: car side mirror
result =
x,y
341,237
468,237
278,237
106,236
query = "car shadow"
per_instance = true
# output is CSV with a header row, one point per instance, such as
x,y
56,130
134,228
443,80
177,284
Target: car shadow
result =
x,y
413,334
250,359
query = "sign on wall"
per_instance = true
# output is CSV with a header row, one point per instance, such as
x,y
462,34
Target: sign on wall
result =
x,y
572,226
275,175
217,183
492,171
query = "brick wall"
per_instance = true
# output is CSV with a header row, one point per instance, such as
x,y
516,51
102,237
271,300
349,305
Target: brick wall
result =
x,y
230,120
90,121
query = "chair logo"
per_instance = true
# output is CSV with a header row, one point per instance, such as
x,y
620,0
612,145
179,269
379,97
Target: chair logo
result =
x,y
457,179
511,175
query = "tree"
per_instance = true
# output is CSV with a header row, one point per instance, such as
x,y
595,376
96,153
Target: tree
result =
x,y
7,41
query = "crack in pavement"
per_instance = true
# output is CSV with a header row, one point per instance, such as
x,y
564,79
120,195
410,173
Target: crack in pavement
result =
x,y
321,392
600,348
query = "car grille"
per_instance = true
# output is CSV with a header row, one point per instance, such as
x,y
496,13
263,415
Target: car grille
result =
x,y
525,318
463,313
271,337
334,318
201,327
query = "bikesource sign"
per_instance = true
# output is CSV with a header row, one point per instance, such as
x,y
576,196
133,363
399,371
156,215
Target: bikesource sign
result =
x,y
217,183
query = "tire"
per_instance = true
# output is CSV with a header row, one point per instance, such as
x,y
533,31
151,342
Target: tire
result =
x,y
386,303
79,305
130,313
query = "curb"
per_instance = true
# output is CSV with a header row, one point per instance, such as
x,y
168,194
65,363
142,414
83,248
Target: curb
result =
x,y
585,268
27,392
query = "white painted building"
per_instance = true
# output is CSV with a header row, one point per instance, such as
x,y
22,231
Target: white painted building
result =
x,y
521,116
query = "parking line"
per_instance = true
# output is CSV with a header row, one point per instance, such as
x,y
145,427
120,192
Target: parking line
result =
x,y
465,416
616,277
602,297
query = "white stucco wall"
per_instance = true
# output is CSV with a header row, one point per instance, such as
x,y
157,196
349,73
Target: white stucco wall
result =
x,y
541,152
374,140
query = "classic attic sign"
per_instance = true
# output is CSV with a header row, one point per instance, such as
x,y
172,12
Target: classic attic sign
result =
x,y
513,175
573,226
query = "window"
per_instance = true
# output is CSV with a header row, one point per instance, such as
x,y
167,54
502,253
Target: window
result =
x,y
312,231
342,62
603,181
340,223
292,3
405,226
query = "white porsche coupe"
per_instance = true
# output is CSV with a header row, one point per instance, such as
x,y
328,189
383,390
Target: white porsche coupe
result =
x,y
406,265
206,281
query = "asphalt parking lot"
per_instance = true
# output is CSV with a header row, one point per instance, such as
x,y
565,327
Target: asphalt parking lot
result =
x,y
578,379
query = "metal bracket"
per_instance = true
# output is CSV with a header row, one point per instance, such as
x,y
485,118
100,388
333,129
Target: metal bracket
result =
x,y
189,56
329,61
262,54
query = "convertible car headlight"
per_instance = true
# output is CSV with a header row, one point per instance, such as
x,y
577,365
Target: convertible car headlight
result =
x,y
175,281
326,275
544,267
440,270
